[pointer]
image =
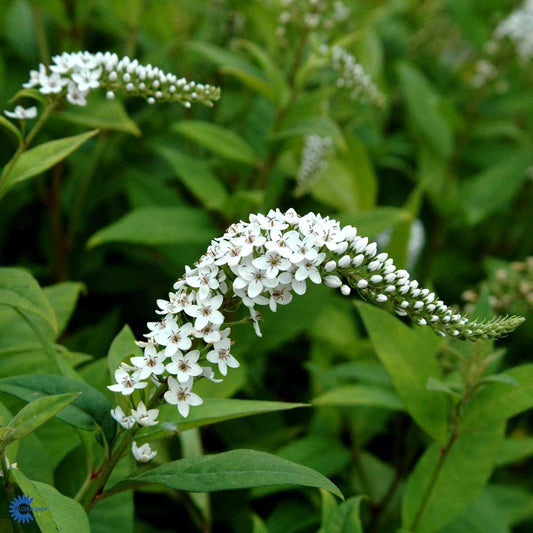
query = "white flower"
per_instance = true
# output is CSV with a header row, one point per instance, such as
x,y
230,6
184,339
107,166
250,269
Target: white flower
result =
x,y
150,363
175,337
206,311
52,84
207,372
185,366
142,454
21,113
119,415
126,383
271,263
180,394
87,79
204,279
280,295
145,417
308,269
221,356
254,280
75,95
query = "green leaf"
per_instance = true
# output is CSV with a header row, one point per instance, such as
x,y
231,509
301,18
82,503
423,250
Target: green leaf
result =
x,y
481,516
63,298
34,94
212,411
370,223
423,103
345,519
493,189
102,115
196,177
515,503
11,130
442,485
237,469
219,140
513,450
89,411
123,346
500,401
256,83
349,182
63,514
410,364
20,290
41,158
37,412
323,126
153,226
435,384
352,395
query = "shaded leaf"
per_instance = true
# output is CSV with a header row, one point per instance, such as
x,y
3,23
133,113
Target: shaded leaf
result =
x,y
351,395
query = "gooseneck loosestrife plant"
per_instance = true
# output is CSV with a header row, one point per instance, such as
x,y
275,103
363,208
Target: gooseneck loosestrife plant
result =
x,y
259,263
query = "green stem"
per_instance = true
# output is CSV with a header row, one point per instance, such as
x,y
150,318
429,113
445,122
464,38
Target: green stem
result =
x,y
10,489
40,34
24,144
433,481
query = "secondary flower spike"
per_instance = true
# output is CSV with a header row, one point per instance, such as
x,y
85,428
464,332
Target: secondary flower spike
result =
x,y
76,74
264,262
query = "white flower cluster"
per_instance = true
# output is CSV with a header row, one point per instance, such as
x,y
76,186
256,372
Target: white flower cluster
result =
x,y
314,161
484,72
264,262
21,113
353,77
312,14
518,27
76,74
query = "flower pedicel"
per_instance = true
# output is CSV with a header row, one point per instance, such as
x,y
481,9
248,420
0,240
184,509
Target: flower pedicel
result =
x,y
264,262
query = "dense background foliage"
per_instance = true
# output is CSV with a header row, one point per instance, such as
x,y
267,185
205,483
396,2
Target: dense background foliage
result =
x,y
441,174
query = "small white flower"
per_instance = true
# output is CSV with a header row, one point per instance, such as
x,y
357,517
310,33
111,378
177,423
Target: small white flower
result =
x,y
180,394
150,363
126,383
271,263
185,366
21,113
207,372
145,417
221,356
87,79
206,311
144,453
52,84
175,337
119,415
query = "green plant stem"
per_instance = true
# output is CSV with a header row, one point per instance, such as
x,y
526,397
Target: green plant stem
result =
x,y
434,477
27,141
10,489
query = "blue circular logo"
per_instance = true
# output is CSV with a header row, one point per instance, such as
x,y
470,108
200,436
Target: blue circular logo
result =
x,y
20,509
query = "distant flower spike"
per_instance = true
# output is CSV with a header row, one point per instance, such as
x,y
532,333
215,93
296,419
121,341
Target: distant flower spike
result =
x,y
264,262
518,27
76,74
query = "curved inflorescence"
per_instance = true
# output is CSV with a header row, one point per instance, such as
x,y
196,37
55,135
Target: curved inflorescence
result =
x,y
264,262
76,74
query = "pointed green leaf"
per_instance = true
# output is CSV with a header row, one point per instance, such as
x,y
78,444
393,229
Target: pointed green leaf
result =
x,y
89,411
42,157
345,519
499,401
219,140
11,130
352,395
442,486
196,177
62,514
515,449
409,363
153,226
37,412
238,469
20,290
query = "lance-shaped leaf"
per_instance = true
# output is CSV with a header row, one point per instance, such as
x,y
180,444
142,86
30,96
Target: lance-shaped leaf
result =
x,y
442,485
499,401
89,411
212,411
345,518
20,290
410,363
353,395
56,513
237,469
36,413
123,345
42,157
